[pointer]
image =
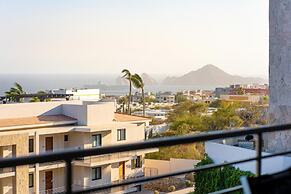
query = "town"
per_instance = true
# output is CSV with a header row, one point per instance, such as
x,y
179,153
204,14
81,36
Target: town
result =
x,y
87,118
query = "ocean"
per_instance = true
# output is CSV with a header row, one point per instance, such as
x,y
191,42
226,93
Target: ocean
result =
x,y
106,83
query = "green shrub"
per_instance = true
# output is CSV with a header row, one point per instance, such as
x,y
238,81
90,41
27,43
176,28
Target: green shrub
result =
x,y
172,188
189,183
217,179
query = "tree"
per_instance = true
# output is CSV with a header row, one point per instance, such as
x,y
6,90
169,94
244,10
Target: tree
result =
x,y
224,118
239,91
127,75
15,92
180,97
252,115
139,84
34,99
123,101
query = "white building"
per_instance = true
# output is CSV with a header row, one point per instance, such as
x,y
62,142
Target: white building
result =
x,y
79,94
165,97
36,128
157,114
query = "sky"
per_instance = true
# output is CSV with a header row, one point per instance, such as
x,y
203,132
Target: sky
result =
x,y
170,37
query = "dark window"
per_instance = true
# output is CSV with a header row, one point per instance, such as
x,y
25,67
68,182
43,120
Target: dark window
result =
x,y
66,138
136,163
96,140
121,134
30,180
31,145
96,173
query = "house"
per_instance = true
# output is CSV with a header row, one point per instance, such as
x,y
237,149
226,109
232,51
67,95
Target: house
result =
x,y
157,114
165,97
79,94
37,128
137,96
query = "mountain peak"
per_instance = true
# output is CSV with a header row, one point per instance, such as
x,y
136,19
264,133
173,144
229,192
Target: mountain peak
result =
x,y
209,75
209,67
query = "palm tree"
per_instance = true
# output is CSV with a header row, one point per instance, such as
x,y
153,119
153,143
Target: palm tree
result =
x,y
127,75
123,101
139,84
14,93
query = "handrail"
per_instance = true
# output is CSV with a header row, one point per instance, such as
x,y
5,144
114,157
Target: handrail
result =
x,y
69,155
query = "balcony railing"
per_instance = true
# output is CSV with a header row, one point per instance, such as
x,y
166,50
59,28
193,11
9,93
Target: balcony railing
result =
x,y
112,157
70,155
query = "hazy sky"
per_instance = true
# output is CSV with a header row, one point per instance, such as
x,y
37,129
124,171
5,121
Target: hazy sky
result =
x,y
153,36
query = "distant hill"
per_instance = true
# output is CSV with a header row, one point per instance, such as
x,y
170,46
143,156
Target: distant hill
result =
x,y
148,80
212,76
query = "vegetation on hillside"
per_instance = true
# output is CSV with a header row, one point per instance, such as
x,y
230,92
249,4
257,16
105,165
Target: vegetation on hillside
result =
x,y
189,118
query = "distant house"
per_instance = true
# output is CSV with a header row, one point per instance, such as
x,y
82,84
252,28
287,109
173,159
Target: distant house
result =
x,y
137,96
221,91
206,96
242,98
165,97
79,94
157,114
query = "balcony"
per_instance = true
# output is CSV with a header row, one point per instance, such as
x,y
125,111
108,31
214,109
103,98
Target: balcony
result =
x,y
116,151
91,161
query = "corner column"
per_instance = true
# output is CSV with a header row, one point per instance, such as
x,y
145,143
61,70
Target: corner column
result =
x,y
279,73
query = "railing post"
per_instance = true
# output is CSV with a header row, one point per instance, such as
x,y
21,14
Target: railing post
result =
x,y
259,145
69,177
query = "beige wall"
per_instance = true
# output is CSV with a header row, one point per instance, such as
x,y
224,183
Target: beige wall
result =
x,y
133,134
6,185
83,176
165,166
58,142
100,113
29,109
20,142
58,179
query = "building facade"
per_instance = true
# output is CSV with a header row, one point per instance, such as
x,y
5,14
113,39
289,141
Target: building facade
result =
x,y
36,128
165,97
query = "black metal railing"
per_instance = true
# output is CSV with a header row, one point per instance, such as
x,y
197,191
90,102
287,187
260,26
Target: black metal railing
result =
x,y
70,155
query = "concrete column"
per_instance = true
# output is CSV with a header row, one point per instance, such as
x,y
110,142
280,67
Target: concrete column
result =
x,y
36,171
280,73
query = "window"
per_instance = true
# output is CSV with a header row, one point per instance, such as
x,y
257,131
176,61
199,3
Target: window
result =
x,y
30,180
31,145
121,134
96,140
136,163
96,173
66,137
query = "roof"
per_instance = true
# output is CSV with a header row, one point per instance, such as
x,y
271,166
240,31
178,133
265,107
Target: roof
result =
x,y
25,122
128,118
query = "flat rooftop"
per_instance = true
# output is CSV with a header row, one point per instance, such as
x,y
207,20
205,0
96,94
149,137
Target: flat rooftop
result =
x,y
119,117
45,120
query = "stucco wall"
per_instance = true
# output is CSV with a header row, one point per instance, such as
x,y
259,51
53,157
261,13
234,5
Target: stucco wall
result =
x,y
220,153
21,149
29,109
279,73
165,166
100,113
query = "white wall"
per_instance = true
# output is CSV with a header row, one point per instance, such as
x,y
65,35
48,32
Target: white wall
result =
x,y
225,153
30,109
174,164
76,111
